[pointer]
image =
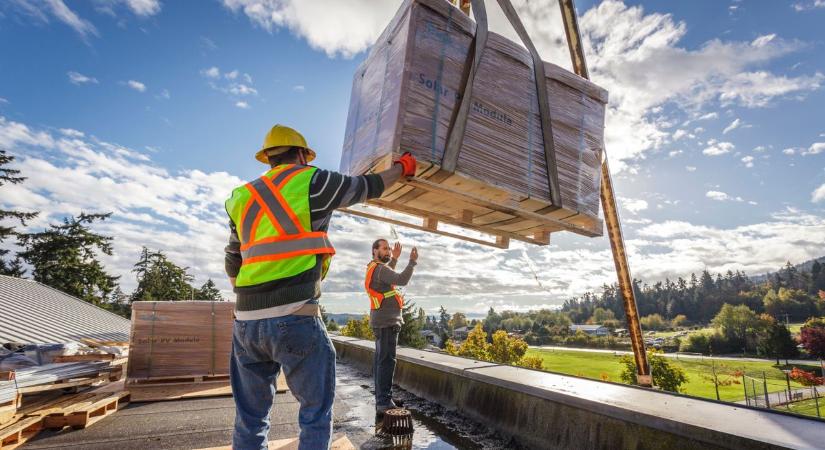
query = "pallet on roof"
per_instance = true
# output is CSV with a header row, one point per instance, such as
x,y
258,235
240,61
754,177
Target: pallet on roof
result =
x,y
74,383
9,408
17,433
194,379
84,413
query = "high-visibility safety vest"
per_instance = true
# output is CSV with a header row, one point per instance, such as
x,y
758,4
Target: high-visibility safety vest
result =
x,y
272,218
377,298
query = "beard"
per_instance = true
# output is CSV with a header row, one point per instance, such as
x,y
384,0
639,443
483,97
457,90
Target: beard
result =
x,y
384,259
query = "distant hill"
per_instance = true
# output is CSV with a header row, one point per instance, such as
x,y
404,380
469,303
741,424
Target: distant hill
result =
x,y
342,319
803,267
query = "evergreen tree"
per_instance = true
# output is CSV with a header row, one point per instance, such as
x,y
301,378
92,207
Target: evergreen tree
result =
x,y
208,292
410,334
14,267
65,257
160,279
444,320
776,341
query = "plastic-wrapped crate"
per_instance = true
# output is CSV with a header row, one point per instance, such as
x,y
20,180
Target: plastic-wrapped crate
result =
x,y
181,339
404,98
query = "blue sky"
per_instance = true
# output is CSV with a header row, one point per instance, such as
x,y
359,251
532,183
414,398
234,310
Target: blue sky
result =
x,y
153,109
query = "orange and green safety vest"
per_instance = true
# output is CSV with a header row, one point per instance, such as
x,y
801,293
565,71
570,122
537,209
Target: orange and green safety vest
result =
x,y
377,298
272,217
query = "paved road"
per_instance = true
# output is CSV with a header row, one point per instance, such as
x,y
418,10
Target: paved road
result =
x,y
674,355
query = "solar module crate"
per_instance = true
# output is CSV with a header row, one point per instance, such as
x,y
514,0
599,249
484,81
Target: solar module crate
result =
x,y
405,96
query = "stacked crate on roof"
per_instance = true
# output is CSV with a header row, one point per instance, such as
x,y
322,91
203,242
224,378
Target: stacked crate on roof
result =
x,y
187,340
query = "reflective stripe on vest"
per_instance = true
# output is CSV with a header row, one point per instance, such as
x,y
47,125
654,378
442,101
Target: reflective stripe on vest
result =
x,y
276,239
377,298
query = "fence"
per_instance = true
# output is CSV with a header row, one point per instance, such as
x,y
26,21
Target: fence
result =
x,y
769,393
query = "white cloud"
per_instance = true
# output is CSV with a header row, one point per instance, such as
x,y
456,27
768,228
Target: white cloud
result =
x,y
141,8
320,22
674,153
164,94
818,194
241,89
708,116
717,195
748,160
679,134
716,148
634,205
733,125
760,149
136,85
723,197
212,72
229,85
815,149
809,4
789,151
79,78
299,88
3,101
690,168
242,105
72,132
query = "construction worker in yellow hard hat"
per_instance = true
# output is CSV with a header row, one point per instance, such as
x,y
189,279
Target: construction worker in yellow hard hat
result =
x,y
278,253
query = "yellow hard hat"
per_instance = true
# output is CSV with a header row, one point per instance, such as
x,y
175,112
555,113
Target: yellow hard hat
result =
x,y
282,136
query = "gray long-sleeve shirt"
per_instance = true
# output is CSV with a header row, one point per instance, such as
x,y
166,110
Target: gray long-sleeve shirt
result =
x,y
383,279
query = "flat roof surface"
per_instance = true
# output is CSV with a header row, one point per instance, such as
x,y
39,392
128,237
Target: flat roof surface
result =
x,y
208,422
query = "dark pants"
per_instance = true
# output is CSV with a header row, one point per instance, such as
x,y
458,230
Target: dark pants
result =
x,y
386,340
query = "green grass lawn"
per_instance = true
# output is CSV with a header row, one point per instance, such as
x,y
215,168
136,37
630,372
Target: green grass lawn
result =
x,y
667,334
699,372
795,327
808,407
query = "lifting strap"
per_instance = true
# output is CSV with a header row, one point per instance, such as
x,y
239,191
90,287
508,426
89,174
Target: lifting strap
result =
x,y
455,135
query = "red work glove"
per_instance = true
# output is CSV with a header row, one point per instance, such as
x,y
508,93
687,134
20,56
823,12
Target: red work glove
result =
x,y
407,161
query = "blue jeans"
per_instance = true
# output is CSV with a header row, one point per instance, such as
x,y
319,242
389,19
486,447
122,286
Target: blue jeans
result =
x,y
383,367
260,349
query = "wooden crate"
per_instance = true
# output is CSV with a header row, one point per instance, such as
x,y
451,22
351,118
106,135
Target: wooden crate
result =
x,y
17,433
403,99
9,409
179,340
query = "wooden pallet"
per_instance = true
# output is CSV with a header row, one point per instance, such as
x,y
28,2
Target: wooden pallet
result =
x,y
82,414
19,432
439,197
73,383
195,379
9,409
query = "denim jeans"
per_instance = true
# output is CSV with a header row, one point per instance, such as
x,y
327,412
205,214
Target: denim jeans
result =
x,y
386,340
260,349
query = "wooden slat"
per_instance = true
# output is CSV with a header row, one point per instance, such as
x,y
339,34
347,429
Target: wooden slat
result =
x,y
82,358
418,227
427,185
450,220
65,384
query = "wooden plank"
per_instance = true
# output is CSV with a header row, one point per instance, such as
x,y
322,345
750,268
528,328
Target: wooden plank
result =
x,y
88,357
18,433
100,378
427,185
450,220
142,394
99,343
416,226
179,380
